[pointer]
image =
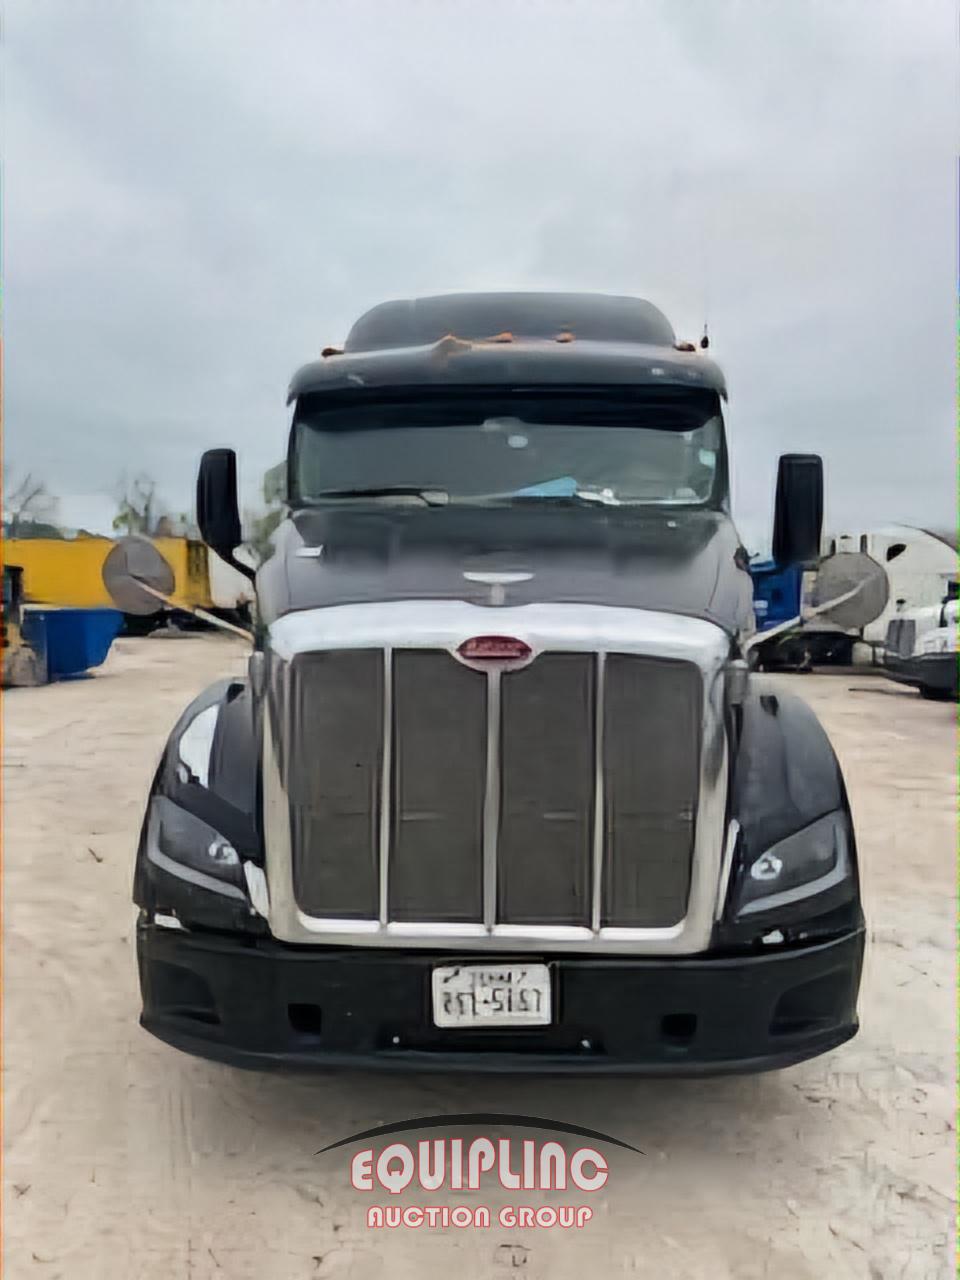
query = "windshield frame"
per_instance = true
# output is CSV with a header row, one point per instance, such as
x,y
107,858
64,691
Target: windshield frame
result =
x,y
707,402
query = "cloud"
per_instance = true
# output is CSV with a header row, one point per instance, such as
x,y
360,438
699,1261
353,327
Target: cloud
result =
x,y
198,198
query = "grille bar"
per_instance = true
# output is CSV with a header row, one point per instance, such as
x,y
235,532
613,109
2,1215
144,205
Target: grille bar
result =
x,y
491,801
386,786
599,806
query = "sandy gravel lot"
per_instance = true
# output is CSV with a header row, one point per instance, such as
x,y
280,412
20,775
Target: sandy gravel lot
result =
x,y
126,1159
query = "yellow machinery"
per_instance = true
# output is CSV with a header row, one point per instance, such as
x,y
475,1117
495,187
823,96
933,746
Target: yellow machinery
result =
x,y
23,662
67,572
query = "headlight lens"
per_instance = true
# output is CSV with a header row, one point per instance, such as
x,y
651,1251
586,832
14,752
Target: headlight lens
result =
x,y
808,862
175,835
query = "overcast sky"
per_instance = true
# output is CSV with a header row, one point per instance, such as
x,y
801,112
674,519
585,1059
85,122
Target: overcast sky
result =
x,y
199,196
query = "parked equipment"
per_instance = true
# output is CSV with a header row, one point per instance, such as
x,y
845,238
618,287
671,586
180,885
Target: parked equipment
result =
x,y
921,649
813,617
69,573
919,565
40,645
499,791
24,657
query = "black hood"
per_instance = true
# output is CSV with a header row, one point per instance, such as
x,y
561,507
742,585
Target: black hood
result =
x,y
675,561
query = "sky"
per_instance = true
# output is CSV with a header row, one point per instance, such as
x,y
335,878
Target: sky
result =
x,y
199,197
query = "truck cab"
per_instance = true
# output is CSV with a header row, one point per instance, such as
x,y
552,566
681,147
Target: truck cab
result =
x,y
500,791
921,648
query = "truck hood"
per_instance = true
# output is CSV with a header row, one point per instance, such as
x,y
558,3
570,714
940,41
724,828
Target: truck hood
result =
x,y
674,561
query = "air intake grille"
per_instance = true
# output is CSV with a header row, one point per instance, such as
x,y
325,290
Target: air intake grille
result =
x,y
562,793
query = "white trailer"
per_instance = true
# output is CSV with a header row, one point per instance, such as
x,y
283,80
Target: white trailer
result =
x,y
920,565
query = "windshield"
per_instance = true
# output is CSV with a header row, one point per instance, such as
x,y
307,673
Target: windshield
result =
x,y
513,446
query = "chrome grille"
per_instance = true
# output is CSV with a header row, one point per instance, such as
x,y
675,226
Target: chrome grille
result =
x,y
561,795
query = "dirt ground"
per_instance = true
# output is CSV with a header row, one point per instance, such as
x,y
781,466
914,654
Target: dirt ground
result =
x,y
127,1159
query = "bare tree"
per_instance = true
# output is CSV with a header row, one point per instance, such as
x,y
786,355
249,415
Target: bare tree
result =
x,y
27,502
261,524
137,505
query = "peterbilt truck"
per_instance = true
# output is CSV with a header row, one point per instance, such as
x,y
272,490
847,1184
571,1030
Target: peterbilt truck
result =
x,y
499,790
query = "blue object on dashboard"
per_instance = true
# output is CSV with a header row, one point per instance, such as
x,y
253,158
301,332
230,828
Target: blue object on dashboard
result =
x,y
564,487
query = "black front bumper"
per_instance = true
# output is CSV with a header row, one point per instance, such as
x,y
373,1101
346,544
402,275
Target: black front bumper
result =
x,y
262,1004
936,671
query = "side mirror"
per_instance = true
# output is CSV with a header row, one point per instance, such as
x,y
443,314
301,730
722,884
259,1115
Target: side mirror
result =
x,y
798,514
218,513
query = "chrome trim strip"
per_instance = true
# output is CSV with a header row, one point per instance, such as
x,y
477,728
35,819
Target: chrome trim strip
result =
x,y
386,784
545,933
257,889
599,810
284,923
498,579
554,627
491,802
733,834
338,928
434,929
450,935
445,624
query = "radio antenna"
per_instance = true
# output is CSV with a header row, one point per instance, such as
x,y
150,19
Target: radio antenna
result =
x,y
705,240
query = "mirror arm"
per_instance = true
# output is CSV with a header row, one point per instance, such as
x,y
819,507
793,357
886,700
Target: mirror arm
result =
x,y
234,563
197,612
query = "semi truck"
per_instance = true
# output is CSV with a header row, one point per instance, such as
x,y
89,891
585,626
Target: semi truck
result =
x,y
921,648
499,790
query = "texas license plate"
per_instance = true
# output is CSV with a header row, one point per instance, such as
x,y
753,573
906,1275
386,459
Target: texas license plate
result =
x,y
480,995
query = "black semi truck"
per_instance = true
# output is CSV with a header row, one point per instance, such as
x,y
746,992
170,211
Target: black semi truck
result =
x,y
499,791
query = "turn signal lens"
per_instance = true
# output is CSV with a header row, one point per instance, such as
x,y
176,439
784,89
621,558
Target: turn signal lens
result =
x,y
494,649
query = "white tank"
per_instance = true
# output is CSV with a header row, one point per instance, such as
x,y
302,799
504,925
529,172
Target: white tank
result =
x,y
919,566
229,589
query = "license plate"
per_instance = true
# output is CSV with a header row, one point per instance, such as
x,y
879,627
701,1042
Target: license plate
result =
x,y
480,995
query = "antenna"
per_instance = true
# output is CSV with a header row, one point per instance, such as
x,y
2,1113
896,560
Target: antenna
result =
x,y
706,243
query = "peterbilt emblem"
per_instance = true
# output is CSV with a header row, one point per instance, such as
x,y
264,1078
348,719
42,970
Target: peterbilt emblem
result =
x,y
498,653
497,582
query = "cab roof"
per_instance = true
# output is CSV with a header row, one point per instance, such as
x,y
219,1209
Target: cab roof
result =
x,y
582,339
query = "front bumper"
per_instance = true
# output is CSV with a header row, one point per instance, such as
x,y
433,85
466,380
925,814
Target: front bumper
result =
x,y
937,671
262,1004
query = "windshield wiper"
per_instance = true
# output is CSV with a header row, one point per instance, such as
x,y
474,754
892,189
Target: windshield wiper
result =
x,y
432,496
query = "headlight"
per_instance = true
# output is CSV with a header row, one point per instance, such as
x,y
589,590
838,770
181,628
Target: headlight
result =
x,y
191,849
806,863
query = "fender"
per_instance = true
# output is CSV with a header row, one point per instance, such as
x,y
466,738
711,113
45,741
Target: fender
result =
x,y
785,777
229,803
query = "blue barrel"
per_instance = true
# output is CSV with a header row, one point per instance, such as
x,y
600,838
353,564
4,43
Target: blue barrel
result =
x,y
75,639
